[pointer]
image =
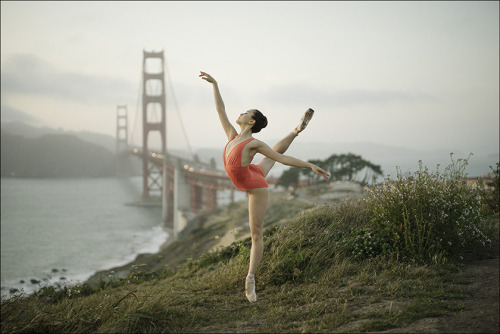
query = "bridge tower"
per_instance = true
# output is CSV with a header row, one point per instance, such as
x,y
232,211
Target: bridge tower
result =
x,y
122,166
153,119
121,129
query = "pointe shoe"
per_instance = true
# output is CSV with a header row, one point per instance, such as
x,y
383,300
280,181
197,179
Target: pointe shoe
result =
x,y
304,120
250,289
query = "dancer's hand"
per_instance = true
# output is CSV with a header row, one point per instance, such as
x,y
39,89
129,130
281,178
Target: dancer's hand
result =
x,y
207,77
320,172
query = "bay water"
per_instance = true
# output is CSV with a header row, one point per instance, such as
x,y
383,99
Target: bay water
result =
x,y
61,231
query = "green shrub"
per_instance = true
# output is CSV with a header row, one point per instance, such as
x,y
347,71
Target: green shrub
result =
x,y
428,215
490,193
368,243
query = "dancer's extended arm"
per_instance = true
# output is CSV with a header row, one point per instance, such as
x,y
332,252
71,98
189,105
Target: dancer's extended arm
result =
x,y
264,149
219,105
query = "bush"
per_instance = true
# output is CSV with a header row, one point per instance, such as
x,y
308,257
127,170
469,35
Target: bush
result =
x,y
428,215
490,193
368,243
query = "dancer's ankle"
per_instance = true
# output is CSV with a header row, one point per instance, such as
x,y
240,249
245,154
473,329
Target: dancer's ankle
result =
x,y
249,275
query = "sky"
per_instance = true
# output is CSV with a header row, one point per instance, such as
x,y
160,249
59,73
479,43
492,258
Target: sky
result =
x,y
419,75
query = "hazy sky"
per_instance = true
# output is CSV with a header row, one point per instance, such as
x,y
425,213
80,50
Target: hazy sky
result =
x,y
422,75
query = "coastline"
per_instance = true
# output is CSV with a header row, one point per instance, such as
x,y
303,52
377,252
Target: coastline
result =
x,y
62,277
141,260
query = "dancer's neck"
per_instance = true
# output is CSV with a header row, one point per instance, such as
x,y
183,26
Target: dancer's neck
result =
x,y
245,133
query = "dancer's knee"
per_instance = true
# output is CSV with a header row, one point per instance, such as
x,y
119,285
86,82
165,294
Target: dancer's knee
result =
x,y
257,237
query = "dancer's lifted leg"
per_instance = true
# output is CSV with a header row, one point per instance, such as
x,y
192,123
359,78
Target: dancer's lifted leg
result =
x,y
283,145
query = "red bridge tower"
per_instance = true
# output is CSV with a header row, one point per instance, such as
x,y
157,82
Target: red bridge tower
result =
x,y
153,119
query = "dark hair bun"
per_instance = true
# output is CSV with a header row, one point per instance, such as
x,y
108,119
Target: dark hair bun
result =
x,y
260,121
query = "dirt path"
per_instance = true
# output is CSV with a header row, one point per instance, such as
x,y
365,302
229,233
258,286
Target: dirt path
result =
x,y
481,313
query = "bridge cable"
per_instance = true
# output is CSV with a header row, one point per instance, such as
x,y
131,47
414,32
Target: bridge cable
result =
x,y
178,113
136,109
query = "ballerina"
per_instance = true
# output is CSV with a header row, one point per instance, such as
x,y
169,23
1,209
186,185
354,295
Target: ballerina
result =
x,y
251,178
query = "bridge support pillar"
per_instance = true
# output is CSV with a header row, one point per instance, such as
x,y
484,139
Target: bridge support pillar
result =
x,y
153,119
122,166
182,200
164,199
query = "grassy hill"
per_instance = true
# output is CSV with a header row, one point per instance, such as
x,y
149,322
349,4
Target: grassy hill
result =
x,y
364,264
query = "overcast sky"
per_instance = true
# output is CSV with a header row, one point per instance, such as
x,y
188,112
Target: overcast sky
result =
x,y
422,75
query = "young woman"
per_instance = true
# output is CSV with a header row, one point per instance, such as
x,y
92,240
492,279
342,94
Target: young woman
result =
x,y
250,178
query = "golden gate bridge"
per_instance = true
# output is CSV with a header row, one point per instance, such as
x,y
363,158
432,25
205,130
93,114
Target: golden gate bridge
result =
x,y
184,187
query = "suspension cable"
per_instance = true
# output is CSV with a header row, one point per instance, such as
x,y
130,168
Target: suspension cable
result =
x,y
136,109
178,113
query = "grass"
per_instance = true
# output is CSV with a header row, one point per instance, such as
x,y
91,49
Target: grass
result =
x,y
210,299
321,272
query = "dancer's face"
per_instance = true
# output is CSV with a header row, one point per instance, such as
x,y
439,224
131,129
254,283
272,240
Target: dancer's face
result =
x,y
246,117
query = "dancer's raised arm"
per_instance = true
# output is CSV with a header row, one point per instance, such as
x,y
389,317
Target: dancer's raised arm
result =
x,y
219,105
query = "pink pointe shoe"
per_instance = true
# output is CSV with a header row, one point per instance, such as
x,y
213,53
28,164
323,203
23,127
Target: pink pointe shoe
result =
x,y
250,289
304,121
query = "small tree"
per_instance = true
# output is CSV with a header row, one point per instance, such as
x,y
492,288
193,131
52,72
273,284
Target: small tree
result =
x,y
289,178
349,167
311,176
345,167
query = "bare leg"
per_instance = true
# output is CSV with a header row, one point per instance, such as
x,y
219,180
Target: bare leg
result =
x,y
280,147
257,206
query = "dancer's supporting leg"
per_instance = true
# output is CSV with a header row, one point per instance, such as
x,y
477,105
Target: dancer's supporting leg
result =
x,y
257,206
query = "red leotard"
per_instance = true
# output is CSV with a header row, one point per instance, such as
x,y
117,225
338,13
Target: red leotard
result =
x,y
248,177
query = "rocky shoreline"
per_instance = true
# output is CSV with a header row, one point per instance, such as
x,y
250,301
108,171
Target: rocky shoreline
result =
x,y
32,284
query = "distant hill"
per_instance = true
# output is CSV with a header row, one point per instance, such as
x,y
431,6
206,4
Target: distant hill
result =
x,y
28,131
109,142
54,155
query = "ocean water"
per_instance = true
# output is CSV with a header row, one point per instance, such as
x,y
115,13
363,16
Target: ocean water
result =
x,y
61,231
